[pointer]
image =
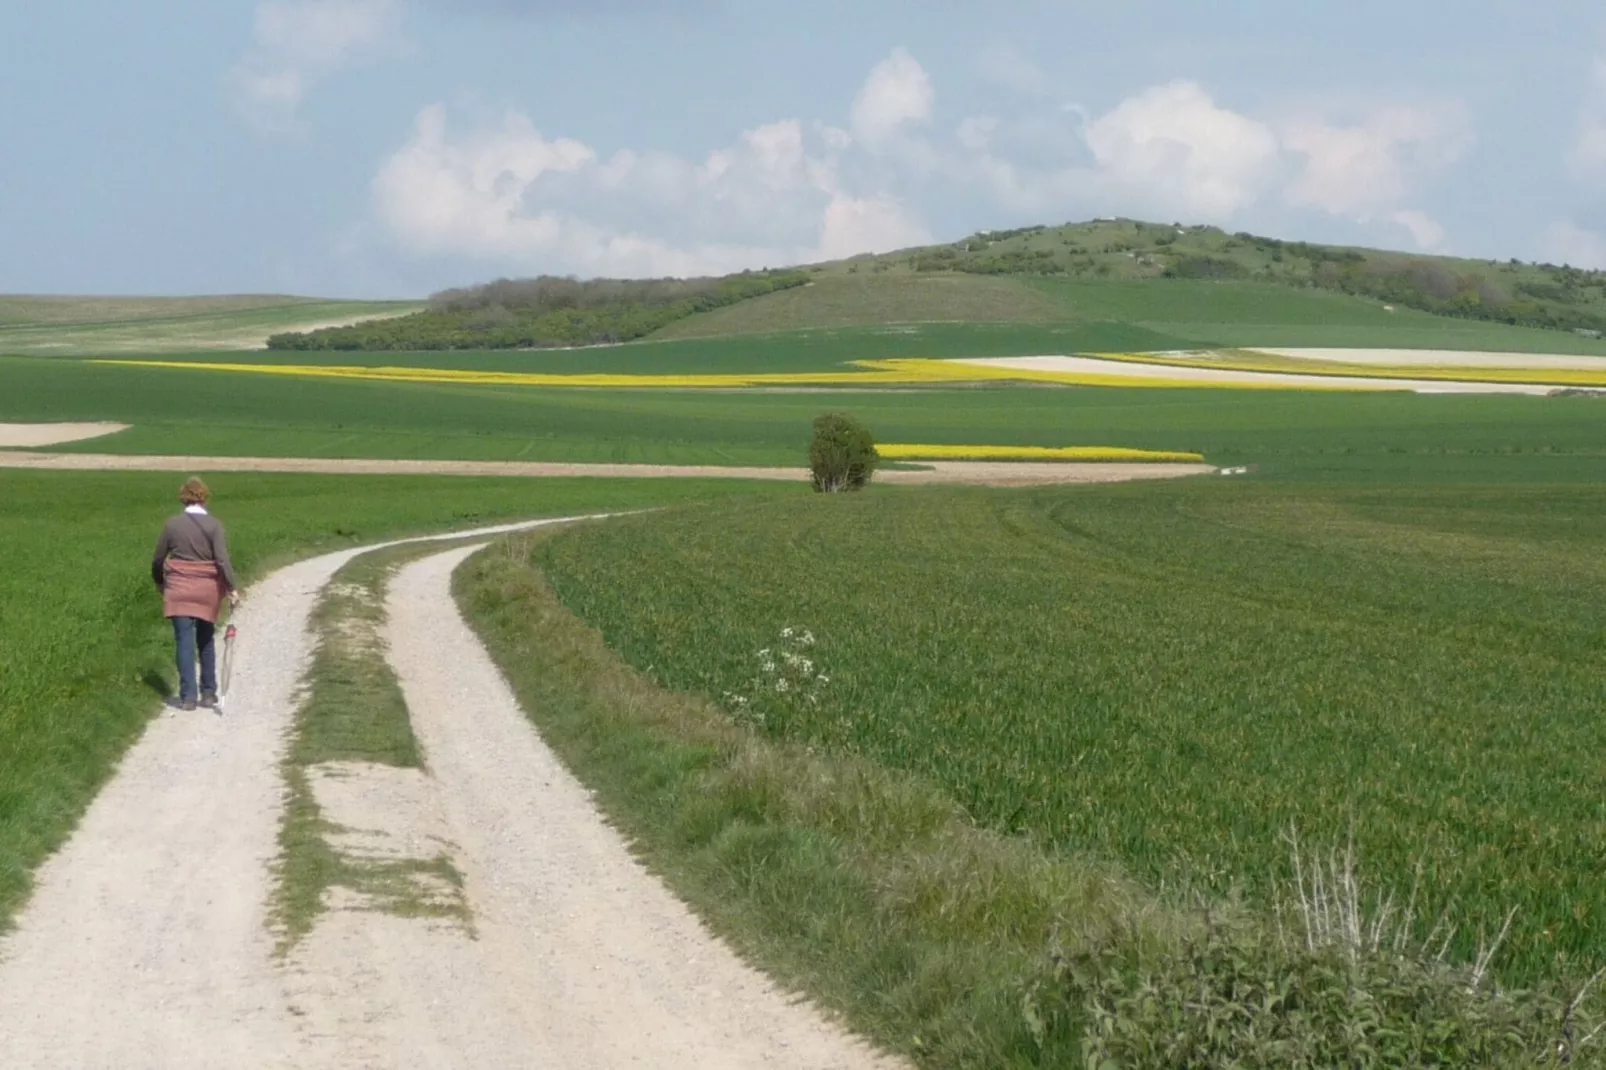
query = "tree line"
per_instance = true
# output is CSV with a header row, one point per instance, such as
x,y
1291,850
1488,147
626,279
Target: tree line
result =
x,y
543,313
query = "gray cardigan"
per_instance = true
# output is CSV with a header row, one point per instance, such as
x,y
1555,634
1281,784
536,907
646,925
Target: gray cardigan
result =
x,y
193,537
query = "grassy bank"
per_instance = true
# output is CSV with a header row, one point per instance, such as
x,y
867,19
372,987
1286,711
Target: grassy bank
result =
x,y
353,712
87,654
1173,677
869,887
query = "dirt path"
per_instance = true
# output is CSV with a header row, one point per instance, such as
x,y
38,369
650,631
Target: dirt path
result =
x,y
146,943
981,473
13,436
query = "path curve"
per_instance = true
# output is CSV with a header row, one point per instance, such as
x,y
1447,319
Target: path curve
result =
x,y
146,942
980,473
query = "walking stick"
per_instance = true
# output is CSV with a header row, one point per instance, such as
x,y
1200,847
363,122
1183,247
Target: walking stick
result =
x,y
228,667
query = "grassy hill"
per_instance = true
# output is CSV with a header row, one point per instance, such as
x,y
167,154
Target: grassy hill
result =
x,y
74,325
1185,283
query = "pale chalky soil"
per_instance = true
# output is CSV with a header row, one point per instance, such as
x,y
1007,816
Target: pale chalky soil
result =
x,y
147,941
27,436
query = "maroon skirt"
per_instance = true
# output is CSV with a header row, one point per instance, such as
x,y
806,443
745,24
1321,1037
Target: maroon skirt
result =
x,y
192,589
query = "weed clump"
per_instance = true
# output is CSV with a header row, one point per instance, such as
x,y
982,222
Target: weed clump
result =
x,y
1238,1001
842,455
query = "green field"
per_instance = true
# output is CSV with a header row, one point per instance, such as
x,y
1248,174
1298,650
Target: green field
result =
x,y
1310,435
87,653
79,326
1091,315
1173,677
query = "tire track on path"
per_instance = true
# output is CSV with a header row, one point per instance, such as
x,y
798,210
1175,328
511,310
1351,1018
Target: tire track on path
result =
x,y
147,941
583,960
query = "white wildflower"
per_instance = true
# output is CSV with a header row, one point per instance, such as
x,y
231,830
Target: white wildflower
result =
x,y
782,686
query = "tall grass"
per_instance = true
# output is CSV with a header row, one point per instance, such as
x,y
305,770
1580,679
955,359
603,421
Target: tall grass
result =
x,y
85,656
1169,677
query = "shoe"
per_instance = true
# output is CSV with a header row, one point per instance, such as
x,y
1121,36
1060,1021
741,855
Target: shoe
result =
x,y
187,704
209,699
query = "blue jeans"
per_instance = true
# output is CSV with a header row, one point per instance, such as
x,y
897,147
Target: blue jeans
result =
x,y
190,633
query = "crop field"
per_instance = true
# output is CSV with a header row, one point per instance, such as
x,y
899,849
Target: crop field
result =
x,y
1172,314
1311,435
87,653
65,327
1175,677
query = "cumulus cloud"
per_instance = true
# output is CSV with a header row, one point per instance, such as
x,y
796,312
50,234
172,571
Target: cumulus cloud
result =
x,y
898,92
1364,170
512,196
1568,243
1006,66
1588,158
509,195
298,43
1185,153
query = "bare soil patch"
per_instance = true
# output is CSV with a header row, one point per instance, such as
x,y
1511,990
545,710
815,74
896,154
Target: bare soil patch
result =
x,y
1138,372
1443,358
979,473
25,436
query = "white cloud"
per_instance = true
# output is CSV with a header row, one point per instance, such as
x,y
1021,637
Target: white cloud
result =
x,y
1007,66
1189,155
1568,243
513,197
298,43
1364,170
898,92
1424,229
509,196
1588,158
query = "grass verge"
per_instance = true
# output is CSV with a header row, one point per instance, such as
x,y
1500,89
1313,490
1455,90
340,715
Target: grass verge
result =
x,y
78,684
840,877
871,891
354,712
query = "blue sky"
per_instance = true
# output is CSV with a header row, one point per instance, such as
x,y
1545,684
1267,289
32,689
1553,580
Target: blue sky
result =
x,y
395,147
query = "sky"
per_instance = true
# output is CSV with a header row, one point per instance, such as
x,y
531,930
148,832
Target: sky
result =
x,y
392,148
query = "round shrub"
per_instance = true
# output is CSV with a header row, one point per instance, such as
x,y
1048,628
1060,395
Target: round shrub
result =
x,y
842,455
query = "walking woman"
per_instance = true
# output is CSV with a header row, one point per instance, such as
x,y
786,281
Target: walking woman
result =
x,y
193,572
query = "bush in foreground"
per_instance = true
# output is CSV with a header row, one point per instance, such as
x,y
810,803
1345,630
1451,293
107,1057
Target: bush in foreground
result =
x,y
842,455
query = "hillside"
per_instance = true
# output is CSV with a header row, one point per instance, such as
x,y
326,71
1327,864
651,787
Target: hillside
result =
x,y
56,325
1108,270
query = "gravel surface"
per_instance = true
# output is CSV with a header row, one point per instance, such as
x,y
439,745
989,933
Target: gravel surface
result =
x,y
25,436
582,959
146,943
1136,370
980,473
1452,358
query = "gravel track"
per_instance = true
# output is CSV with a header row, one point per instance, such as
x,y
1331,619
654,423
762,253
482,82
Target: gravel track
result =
x,y
978,473
146,943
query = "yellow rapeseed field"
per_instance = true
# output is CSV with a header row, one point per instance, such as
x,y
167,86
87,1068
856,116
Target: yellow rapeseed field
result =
x,y
900,451
1236,360
902,372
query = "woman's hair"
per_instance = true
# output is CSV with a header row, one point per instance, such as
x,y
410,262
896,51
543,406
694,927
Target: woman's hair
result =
x,y
193,492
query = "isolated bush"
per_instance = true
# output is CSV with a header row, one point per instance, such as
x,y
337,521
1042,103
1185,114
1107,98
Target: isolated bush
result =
x,y
842,455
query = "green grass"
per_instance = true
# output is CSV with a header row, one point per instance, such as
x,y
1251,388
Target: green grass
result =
x,y
1171,677
863,887
832,301
354,711
1307,435
45,309
87,654
1049,315
65,327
